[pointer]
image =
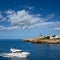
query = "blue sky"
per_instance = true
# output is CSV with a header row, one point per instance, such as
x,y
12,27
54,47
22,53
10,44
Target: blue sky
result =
x,y
29,18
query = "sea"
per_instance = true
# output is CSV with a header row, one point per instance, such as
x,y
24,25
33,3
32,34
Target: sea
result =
x,y
37,51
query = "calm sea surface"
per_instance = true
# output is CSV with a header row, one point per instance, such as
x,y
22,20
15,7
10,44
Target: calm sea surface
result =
x,y
38,51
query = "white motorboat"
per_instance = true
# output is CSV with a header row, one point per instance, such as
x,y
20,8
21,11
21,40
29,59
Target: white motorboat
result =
x,y
15,53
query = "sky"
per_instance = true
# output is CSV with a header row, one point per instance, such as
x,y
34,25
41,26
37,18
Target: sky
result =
x,y
29,18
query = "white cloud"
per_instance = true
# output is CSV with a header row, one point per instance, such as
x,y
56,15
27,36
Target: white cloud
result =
x,y
38,15
30,8
57,28
9,28
49,16
1,28
9,11
23,19
12,28
2,18
47,24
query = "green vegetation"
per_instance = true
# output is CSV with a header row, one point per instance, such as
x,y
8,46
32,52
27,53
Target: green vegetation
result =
x,y
48,38
44,38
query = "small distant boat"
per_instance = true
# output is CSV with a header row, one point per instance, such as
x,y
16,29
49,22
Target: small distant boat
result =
x,y
15,53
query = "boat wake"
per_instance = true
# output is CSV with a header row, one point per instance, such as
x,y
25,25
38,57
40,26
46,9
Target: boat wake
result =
x,y
13,57
4,55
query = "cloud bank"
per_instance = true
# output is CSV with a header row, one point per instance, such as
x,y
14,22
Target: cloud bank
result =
x,y
24,20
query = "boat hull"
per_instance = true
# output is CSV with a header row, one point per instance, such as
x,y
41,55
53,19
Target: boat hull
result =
x,y
22,55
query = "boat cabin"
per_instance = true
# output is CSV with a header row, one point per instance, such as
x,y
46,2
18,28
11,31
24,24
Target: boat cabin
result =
x,y
15,50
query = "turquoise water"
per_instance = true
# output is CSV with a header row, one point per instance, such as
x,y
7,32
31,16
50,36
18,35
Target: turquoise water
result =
x,y
38,51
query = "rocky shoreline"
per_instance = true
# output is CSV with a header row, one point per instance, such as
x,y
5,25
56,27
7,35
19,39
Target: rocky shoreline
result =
x,y
42,41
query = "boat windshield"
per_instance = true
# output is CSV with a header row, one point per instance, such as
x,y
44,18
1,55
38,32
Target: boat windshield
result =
x,y
15,50
18,52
